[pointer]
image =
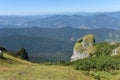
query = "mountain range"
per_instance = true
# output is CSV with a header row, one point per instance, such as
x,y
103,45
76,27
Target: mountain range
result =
x,y
52,37
77,20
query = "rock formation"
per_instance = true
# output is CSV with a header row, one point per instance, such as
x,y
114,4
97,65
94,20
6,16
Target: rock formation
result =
x,y
116,51
2,49
22,54
84,47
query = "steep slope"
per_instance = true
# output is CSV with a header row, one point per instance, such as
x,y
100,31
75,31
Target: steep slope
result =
x,y
65,33
9,60
9,63
51,49
51,44
12,68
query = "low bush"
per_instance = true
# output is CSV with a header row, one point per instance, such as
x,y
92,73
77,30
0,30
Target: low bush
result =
x,y
104,48
100,63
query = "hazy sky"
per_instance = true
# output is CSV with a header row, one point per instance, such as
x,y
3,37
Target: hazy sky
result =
x,y
35,7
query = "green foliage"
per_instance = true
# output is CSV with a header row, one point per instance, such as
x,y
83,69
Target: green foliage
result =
x,y
104,48
22,54
62,63
89,39
100,63
49,41
40,46
79,41
47,63
79,47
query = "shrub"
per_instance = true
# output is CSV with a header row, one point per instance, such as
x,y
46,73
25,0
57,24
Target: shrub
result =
x,y
103,49
62,63
47,63
22,54
101,63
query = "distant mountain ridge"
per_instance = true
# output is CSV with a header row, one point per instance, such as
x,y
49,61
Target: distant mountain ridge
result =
x,y
77,20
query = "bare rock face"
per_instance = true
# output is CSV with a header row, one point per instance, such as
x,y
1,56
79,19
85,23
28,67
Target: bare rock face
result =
x,y
116,51
84,47
77,55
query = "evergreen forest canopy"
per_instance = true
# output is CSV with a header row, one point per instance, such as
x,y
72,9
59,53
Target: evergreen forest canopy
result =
x,y
51,44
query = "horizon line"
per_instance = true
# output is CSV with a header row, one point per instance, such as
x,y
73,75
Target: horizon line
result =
x,y
60,13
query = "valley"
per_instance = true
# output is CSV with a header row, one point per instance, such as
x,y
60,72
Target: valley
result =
x,y
51,44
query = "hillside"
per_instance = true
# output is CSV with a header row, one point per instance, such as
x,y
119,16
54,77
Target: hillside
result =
x,y
65,33
12,68
103,64
51,44
101,60
39,48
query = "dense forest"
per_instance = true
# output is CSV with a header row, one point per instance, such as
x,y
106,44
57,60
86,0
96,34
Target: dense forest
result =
x,y
51,44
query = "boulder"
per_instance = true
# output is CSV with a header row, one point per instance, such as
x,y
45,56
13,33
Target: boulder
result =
x,y
84,47
116,51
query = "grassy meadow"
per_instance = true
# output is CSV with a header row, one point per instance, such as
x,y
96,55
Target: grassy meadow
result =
x,y
12,68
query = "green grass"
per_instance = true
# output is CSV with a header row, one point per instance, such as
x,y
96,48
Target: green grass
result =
x,y
12,68
103,75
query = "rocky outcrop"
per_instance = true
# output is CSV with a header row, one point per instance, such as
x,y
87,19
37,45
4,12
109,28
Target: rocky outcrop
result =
x,y
116,51
88,41
2,49
22,54
84,47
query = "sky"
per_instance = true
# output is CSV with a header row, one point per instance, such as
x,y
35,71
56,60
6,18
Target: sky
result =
x,y
41,7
